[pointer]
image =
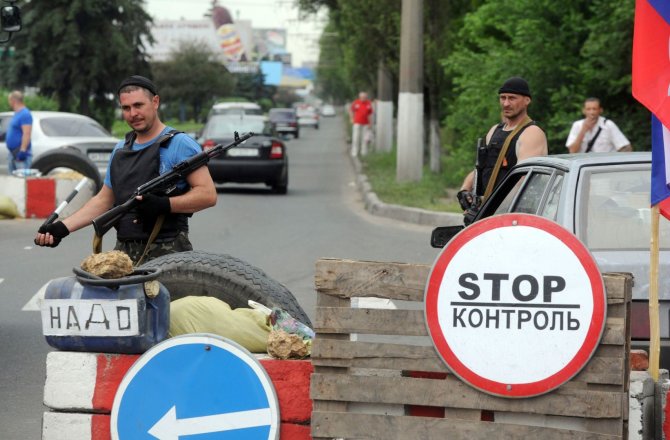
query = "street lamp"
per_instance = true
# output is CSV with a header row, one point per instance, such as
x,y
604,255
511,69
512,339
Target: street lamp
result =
x,y
10,19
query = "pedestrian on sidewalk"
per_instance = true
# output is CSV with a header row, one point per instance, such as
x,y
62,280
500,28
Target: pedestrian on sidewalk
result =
x,y
359,114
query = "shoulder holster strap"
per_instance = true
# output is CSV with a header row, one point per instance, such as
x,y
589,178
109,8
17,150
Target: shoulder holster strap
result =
x,y
503,152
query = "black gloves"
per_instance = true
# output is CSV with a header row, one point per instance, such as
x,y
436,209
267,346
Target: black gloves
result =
x,y
466,199
151,206
58,230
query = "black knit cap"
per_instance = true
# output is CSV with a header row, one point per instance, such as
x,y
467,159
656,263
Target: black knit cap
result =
x,y
139,81
516,85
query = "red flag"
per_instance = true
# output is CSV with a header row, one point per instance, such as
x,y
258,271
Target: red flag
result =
x,y
651,57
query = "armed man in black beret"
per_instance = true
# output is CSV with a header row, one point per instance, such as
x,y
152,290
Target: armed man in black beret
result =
x,y
516,138
159,224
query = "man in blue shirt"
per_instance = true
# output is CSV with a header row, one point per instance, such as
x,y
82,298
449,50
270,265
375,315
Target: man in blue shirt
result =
x,y
18,134
150,149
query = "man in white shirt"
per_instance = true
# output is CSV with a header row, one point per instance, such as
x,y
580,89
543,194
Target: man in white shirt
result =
x,y
595,133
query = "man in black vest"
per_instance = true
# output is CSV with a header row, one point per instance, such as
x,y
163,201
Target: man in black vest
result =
x,y
150,149
514,139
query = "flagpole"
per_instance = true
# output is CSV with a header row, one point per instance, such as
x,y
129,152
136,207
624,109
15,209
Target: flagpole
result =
x,y
654,330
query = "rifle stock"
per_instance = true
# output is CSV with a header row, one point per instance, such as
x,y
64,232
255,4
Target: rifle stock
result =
x,y
106,221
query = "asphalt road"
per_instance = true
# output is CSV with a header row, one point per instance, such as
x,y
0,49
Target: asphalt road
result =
x,y
321,216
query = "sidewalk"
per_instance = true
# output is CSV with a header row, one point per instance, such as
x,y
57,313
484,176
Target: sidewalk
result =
x,y
397,212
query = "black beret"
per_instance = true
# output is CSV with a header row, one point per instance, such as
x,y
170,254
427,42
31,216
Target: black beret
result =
x,y
516,85
139,81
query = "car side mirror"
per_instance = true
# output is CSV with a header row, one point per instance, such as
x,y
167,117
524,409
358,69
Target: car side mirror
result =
x,y
443,235
10,20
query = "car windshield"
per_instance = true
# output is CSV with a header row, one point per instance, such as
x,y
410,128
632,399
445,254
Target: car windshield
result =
x,y
616,211
237,111
226,127
306,112
281,115
72,127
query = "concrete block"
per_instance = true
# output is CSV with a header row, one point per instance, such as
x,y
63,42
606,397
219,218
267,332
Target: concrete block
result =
x,y
641,393
80,389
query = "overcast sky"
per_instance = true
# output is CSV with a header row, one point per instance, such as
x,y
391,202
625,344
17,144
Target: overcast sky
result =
x,y
303,35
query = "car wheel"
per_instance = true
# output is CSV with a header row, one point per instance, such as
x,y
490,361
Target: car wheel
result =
x,y
68,158
225,277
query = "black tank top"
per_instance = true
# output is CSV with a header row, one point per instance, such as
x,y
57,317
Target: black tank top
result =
x,y
493,151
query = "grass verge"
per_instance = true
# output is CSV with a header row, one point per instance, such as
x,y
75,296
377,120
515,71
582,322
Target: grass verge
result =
x,y
431,193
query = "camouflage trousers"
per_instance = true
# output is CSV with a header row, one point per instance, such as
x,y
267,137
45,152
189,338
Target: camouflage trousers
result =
x,y
135,248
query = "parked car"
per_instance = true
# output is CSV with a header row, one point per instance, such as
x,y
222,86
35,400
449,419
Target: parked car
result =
x,y
327,110
235,108
308,116
64,140
261,159
602,198
284,121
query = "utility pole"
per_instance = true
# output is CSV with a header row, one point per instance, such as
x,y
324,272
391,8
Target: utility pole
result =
x,y
384,111
410,99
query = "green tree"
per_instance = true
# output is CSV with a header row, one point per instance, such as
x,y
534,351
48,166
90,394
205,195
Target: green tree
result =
x,y
359,34
79,50
193,78
501,39
332,80
566,50
606,68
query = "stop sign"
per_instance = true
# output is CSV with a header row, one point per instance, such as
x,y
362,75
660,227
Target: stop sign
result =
x,y
515,305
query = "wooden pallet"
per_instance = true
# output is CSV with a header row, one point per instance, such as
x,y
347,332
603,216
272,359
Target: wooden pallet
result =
x,y
360,383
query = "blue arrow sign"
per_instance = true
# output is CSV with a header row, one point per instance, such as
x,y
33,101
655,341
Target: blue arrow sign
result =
x,y
195,385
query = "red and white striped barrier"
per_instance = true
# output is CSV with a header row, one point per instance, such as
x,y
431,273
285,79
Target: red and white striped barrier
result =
x,y
37,197
80,390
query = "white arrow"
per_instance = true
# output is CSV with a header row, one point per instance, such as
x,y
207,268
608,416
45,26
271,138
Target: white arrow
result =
x,y
170,428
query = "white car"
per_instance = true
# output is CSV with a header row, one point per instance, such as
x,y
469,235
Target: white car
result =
x,y
64,140
307,116
235,108
327,110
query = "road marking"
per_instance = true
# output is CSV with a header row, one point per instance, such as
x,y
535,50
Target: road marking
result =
x,y
171,428
33,305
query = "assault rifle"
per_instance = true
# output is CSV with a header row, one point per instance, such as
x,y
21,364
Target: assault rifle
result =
x,y
165,183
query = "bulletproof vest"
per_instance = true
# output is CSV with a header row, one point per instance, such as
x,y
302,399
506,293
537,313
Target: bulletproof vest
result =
x,y
130,169
491,153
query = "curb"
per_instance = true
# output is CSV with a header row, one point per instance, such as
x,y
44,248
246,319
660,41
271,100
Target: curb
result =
x,y
398,212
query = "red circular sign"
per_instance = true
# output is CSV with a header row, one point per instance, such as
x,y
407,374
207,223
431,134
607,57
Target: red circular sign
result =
x,y
515,305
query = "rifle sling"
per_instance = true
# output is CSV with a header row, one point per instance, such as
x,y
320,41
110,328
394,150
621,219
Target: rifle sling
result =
x,y
97,239
503,152
154,232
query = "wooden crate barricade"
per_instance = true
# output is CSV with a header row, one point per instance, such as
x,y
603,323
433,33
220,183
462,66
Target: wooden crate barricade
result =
x,y
358,380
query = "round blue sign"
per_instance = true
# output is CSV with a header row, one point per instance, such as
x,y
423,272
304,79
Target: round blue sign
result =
x,y
198,384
